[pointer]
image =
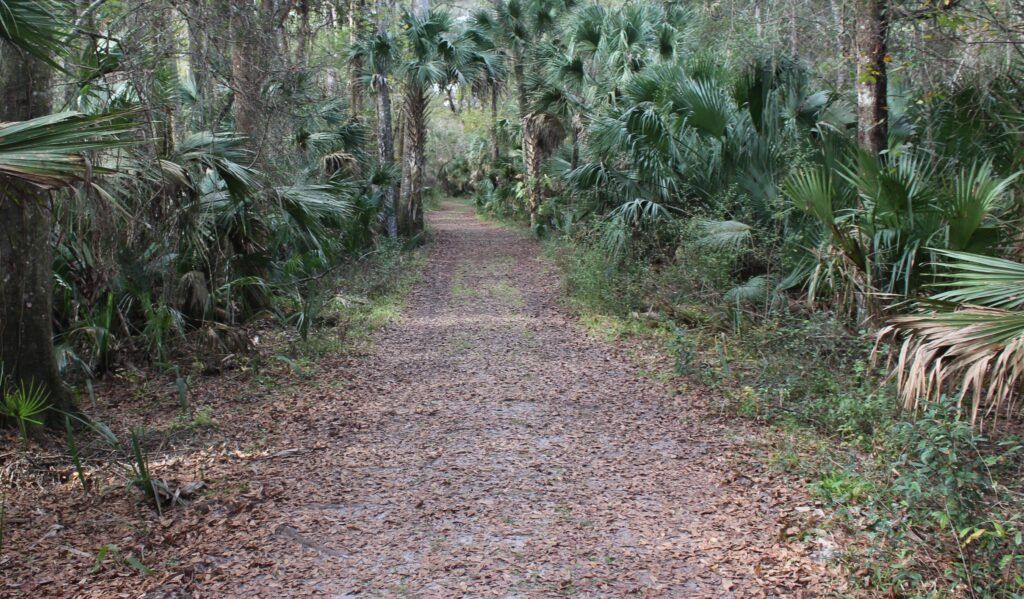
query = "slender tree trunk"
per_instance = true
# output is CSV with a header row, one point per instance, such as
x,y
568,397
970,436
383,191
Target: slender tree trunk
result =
x,y
385,150
872,81
410,214
355,27
839,21
520,72
385,136
542,134
495,148
26,258
304,35
410,211
793,37
246,69
400,150
577,133
532,160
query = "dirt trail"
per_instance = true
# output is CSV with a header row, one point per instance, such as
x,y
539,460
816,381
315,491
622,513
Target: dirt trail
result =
x,y
502,452
486,447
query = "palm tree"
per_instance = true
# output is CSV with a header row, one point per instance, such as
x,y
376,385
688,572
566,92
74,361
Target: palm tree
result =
x,y
485,32
440,55
377,54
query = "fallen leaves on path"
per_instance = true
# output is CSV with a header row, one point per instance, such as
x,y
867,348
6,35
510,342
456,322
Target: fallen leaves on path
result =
x,y
486,447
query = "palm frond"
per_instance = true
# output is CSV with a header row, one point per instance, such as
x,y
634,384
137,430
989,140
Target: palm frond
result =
x,y
982,281
51,151
724,234
33,26
968,339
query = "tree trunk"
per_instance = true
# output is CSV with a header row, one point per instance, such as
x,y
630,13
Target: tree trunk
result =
x,y
246,70
304,35
532,160
520,72
410,214
400,151
838,9
872,89
385,136
26,258
577,134
793,37
542,134
355,28
495,148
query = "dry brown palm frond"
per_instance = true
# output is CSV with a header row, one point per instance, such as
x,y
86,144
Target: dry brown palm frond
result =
x,y
973,352
970,341
543,132
340,162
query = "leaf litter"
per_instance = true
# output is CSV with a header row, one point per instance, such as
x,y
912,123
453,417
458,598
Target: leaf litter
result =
x,y
484,447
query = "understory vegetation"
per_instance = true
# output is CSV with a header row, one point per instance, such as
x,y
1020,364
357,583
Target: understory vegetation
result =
x,y
858,297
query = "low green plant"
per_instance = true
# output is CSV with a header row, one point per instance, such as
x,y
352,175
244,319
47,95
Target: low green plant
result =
x,y
839,487
140,477
133,462
24,405
109,550
203,418
683,347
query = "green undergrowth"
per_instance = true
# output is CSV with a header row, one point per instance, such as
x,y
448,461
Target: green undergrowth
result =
x,y
928,506
370,295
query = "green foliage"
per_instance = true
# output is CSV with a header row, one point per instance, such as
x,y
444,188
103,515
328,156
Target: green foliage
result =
x,y
140,477
33,26
885,218
24,404
48,151
113,552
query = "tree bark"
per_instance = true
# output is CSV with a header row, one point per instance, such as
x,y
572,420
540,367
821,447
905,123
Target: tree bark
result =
x,y
872,80
247,71
400,150
355,86
495,148
577,134
26,257
838,9
410,213
520,73
385,135
304,35
542,133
